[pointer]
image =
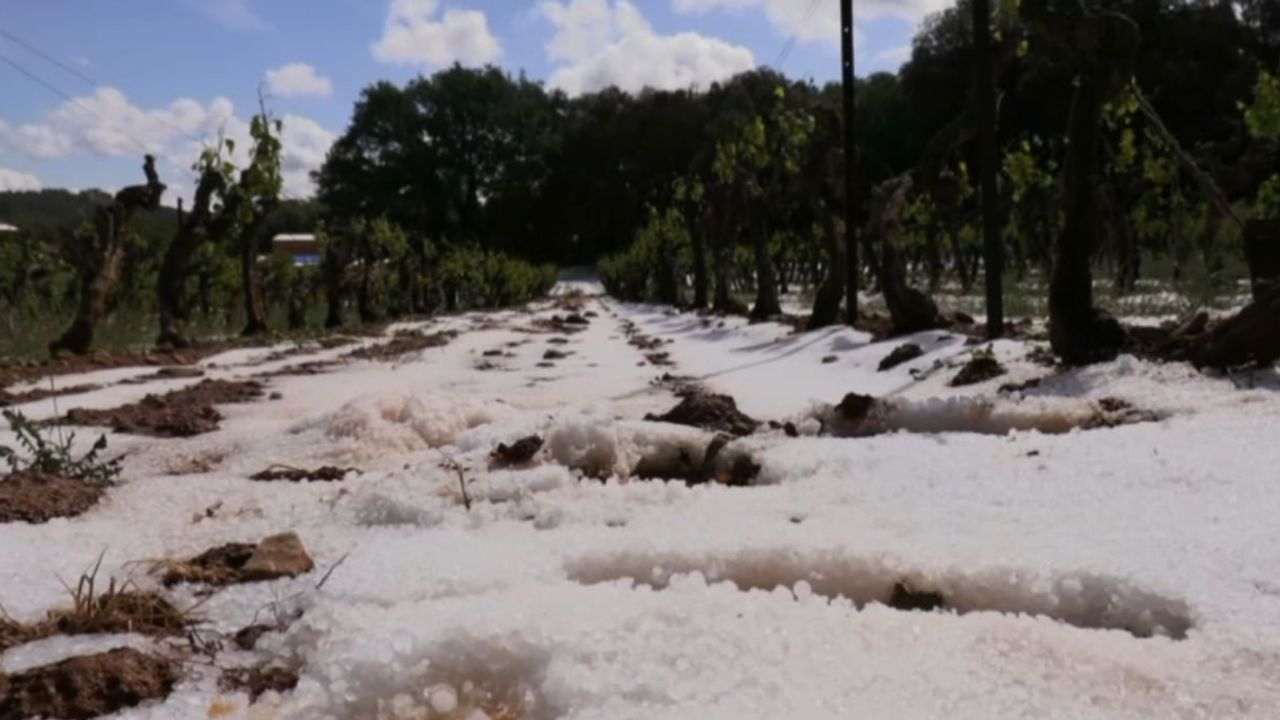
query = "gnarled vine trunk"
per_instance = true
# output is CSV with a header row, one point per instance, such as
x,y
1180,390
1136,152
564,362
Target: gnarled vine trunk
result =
x,y
98,259
194,229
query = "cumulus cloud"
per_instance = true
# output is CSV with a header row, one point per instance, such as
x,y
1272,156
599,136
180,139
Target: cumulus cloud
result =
x,y
809,22
298,80
418,33
599,43
108,124
894,57
14,180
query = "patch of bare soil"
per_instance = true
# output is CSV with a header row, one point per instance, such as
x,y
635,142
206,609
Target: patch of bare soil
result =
x,y
717,413
310,367
661,359
74,364
980,368
180,413
555,355
1113,412
7,398
520,452
278,556
277,473
257,680
902,354
172,372
678,385
557,324
35,497
404,343
86,687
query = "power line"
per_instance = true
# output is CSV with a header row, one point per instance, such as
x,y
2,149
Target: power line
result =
x,y
795,36
85,108
47,57
78,74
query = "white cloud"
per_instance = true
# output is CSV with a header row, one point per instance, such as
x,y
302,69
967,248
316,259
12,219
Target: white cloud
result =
x,y
810,21
417,33
601,44
107,124
893,57
298,80
14,180
306,143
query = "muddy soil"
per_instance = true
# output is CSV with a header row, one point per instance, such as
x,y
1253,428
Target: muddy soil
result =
x,y
86,687
7,398
35,497
401,345
521,452
717,413
180,413
980,368
279,473
901,354
257,680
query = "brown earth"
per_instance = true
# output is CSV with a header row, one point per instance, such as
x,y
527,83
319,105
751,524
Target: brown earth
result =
x,y
401,345
35,497
277,473
86,687
980,368
180,413
278,556
518,453
257,680
7,398
710,412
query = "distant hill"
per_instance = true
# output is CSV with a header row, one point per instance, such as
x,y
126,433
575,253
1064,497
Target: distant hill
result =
x,y
64,210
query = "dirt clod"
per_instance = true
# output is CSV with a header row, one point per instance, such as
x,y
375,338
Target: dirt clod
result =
x,y
217,566
180,413
901,354
36,497
404,343
8,399
518,453
554,355
907,598
86,687
276,557
257,680
277,473
246,638
710,412
980,368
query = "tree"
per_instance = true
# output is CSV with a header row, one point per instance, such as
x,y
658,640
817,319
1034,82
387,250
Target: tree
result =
x,y
97,256
1102,47
252,199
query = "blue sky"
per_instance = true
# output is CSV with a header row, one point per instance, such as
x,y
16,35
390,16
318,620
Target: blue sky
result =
x,y
168,75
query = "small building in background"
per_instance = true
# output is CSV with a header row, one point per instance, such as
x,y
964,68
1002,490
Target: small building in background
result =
x,y
303,247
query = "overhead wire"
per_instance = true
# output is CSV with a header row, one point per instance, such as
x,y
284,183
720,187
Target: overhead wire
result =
x,y
78,103
790,45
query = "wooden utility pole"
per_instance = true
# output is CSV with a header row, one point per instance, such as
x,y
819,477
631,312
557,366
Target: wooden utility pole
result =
x,y
850,165
992,248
